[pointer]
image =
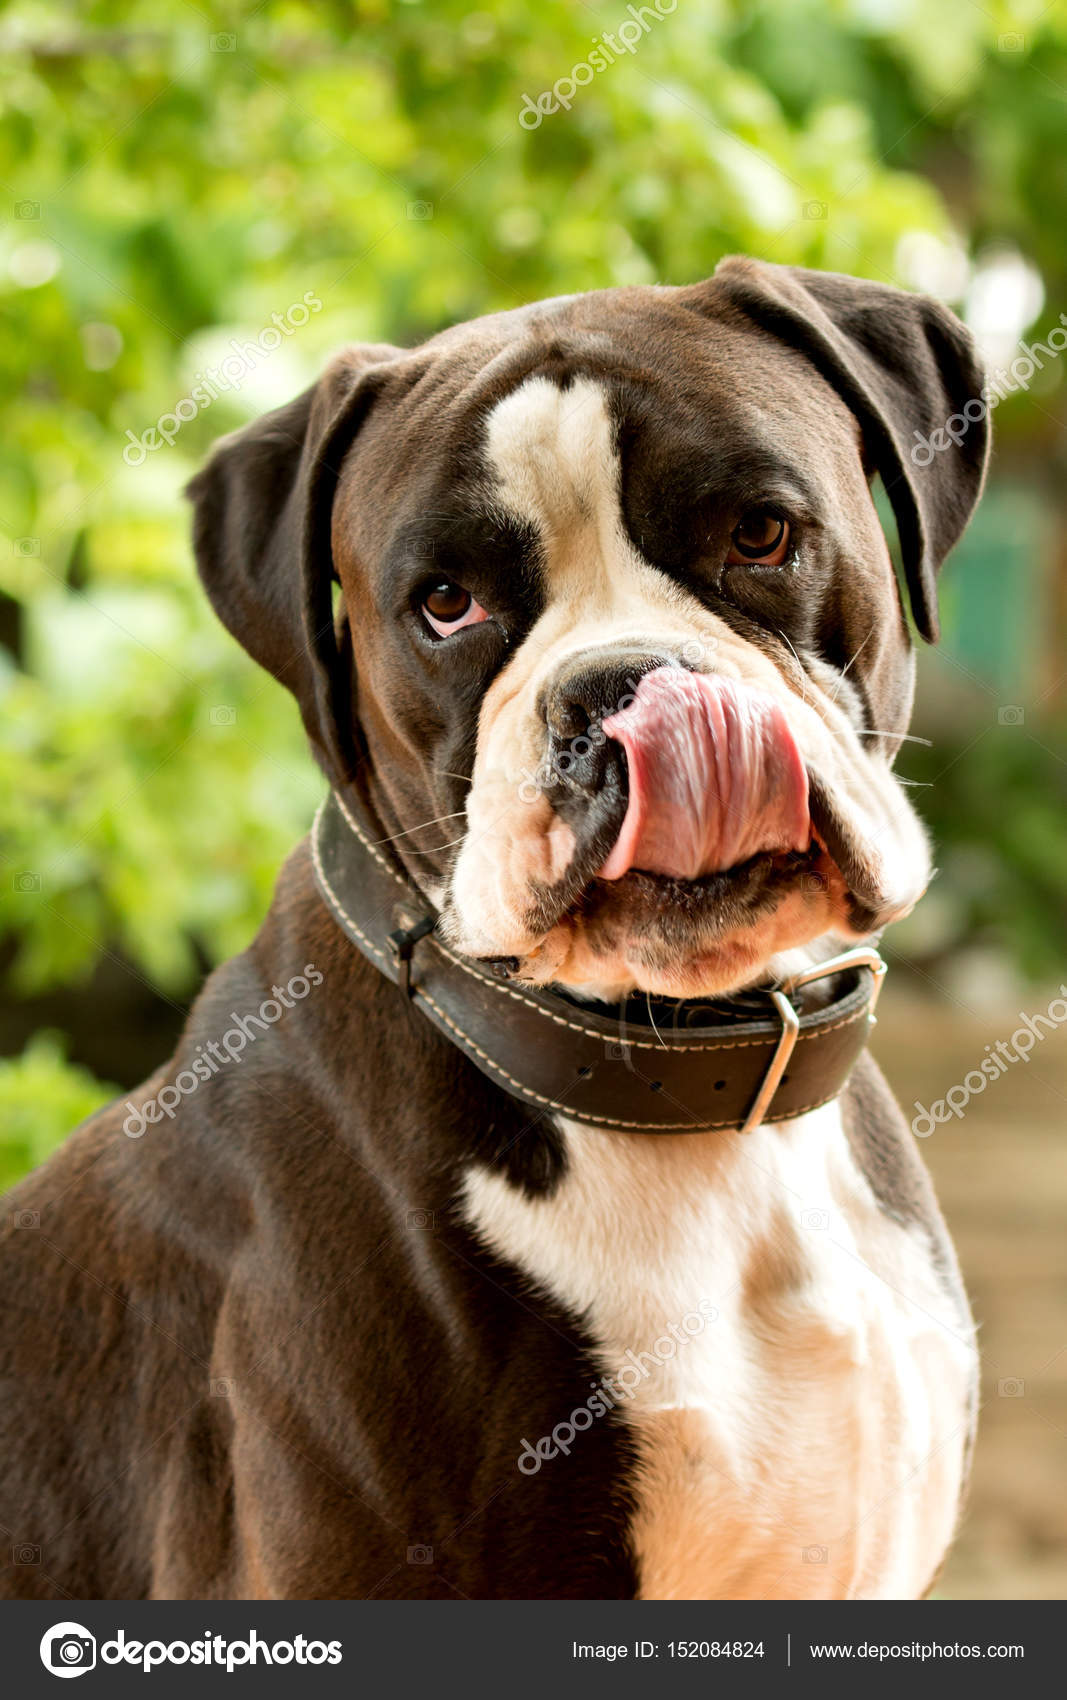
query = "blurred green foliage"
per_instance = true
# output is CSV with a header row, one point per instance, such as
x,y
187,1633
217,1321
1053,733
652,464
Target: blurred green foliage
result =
x,y
173,175
42,1096
996,804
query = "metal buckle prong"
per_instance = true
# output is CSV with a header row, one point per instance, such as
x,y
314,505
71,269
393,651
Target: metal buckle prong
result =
x,y
402,944
862,957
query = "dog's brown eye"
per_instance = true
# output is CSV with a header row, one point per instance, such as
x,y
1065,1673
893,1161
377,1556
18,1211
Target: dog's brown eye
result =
x,y
447,607
447,601
762,536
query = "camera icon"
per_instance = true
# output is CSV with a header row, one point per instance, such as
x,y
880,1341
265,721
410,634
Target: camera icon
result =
x,y
224,43
68,1649
221,1387
422,1219
27,209
1010,1387
420,1555
817,1219
27,1218
815,209
25,1555
815,1555
223,715
27,546
423,549
420,209
1011,715
27,881
617,1052
1011,42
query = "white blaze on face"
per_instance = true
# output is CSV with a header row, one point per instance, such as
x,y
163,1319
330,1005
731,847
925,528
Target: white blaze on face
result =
x,y
555,467
551,450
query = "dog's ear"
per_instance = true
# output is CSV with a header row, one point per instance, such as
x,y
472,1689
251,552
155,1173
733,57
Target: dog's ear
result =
x,y
261,534
905,365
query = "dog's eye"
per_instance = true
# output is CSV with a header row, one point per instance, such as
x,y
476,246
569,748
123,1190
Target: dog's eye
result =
x,y
448,607
762,537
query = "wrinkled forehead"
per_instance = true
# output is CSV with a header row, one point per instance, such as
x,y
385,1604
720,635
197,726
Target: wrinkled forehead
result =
x,y
542,416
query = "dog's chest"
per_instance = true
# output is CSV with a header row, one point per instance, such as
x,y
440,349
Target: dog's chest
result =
x,y
793,1373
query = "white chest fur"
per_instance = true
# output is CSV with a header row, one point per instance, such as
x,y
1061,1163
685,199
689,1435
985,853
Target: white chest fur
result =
x,y
807,1442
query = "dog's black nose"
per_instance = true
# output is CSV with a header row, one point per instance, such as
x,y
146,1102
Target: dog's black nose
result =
x,y
588,689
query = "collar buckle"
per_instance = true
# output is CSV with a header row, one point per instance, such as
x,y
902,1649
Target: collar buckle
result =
x,y
402,944
864,957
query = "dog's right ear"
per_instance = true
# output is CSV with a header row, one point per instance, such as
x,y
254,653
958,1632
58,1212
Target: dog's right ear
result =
x,y
906,367
261,534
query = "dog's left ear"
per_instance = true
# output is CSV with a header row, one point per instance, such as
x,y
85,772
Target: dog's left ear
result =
x,y
261,534
905,365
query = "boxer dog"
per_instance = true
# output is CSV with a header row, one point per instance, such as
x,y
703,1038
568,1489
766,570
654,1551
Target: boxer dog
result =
x,y
453,1255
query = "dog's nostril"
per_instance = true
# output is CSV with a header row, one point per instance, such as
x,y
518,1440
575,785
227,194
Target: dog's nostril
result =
x,y
592,686
566,718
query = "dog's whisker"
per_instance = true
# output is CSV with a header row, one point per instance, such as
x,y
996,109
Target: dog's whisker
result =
x,y
411,851
456,813
905,737
848,664
652,1018
800,664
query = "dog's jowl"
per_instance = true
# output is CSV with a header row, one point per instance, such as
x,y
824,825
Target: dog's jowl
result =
x,y
550,1232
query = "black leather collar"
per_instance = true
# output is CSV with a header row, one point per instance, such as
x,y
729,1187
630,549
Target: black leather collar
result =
x,y
729,1063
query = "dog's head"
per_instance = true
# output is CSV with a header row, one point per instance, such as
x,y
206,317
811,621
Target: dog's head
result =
x,y
616,611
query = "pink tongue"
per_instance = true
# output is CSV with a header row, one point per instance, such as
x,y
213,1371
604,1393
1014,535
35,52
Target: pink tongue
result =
x,y
715,777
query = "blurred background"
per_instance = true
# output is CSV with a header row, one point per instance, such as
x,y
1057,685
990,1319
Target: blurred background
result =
x,y
198,204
